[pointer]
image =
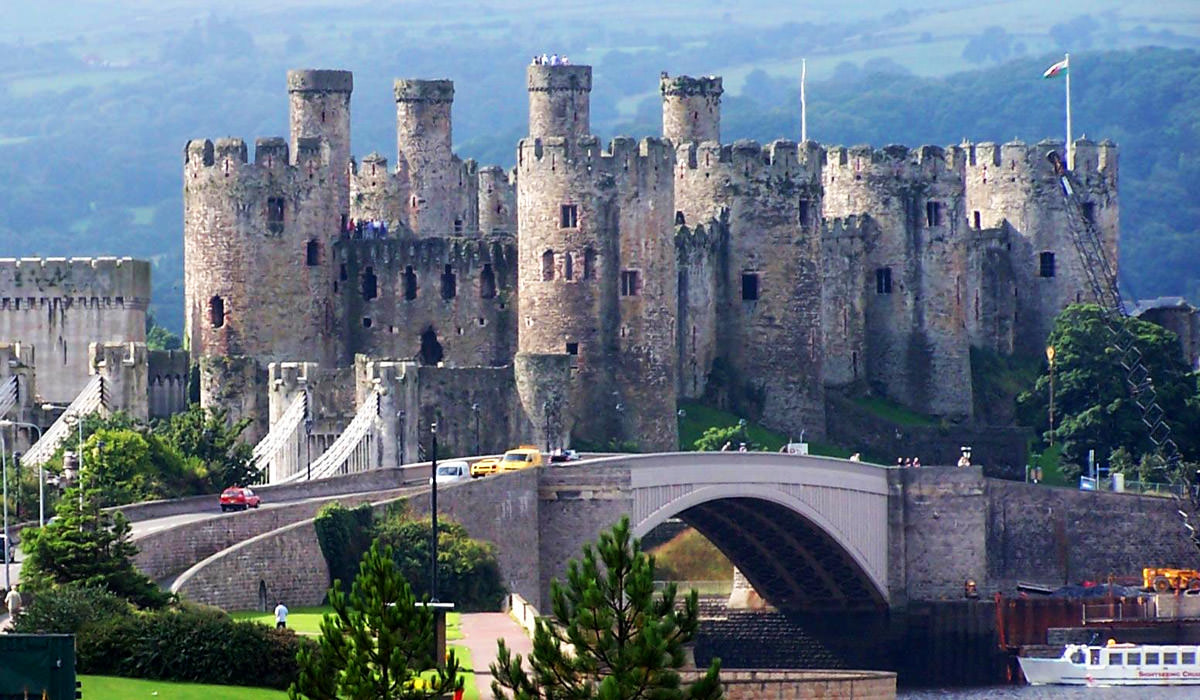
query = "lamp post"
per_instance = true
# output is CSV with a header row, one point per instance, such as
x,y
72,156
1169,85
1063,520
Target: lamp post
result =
x,y
400,440
745,435
7,539
433,576
1050,360
475,410
41,469
546,420
77,420
308,425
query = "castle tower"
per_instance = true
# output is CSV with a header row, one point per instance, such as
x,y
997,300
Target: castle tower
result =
x,y
691,108
558,100
424,157
916,342
596,269
319,103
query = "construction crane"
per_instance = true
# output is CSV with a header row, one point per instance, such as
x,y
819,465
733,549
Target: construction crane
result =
x,y
1102,278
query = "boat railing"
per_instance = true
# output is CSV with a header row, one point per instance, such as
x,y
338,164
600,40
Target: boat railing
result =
x,y
1119,609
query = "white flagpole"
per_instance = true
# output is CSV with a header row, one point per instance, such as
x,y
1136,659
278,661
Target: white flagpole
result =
x,y
1070,144
803,101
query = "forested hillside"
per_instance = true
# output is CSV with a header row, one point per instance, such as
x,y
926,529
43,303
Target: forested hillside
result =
x,y
91,150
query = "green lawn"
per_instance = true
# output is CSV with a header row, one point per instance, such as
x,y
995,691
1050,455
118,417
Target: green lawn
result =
x,y
308,620
112,688
894,412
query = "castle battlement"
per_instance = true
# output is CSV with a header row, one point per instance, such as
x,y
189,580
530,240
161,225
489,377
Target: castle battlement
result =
x,y
894,162
320,80
749,159
230,156
414,90
90,281
463,254
843,227
547,78
621,159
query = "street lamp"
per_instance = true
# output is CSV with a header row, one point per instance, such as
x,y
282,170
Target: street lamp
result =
x,y
77,420
546,419
308,425
433,576
1050,360
41,470
745,435
400,439
7,538
475,410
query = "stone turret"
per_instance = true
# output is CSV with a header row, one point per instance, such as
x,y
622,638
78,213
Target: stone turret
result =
x,y
424,157
558,100
691,108
320,108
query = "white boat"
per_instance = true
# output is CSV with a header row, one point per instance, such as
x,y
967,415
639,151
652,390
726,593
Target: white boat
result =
x,y
1116,664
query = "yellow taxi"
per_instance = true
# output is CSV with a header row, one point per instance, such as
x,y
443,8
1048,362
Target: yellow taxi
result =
x,y
522,457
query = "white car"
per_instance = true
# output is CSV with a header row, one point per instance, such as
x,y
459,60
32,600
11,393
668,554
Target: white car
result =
x,y
453,471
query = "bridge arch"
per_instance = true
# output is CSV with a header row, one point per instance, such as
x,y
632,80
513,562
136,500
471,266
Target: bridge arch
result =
x,y
786,548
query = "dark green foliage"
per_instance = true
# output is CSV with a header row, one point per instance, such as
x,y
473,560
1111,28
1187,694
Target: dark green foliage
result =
x,y
89,547
345,536
1092,405
207,435
375,642
468,574
191,644
628,642
996,381
69,609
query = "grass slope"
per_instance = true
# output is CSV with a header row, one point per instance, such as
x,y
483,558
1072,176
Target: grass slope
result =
x,y
699,417
689,556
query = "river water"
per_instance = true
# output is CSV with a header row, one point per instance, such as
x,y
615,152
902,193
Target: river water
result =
x,y
1028,692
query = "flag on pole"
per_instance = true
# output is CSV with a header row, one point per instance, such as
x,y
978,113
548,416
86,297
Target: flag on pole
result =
x,y
1057,69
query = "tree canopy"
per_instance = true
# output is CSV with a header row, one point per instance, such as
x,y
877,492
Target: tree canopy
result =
x,y
1093,408
611,637
376,642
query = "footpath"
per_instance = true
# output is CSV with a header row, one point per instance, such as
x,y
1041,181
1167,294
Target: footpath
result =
x,y
481,631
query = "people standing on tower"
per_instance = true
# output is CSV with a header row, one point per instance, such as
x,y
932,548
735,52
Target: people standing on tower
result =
x,y
545,60
554,59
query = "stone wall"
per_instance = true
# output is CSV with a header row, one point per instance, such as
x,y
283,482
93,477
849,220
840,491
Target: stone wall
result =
x,y
59,306
501,509
768,684
476,409
436,299
169,372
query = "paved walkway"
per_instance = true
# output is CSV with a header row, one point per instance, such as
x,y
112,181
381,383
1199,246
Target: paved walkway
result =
x,y
480,632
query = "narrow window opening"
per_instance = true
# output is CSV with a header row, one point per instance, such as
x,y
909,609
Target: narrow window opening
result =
x,y
342,274
370,285
631,283
410,283
572,348
854,363
449,283
933,213
976,307
1089,212
458,226
805,212
548,266
216,312
883,280
749,286
569,216
978,221
589,264
431,349
679,221
312,254
487,282
569,266
366,322
275,208
1046,264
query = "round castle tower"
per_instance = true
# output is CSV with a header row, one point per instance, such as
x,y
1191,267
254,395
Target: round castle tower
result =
x,y
559,100
596,269
691,108
319,107
424,156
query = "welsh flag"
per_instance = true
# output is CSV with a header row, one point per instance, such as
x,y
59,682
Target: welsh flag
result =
x,y
1057,69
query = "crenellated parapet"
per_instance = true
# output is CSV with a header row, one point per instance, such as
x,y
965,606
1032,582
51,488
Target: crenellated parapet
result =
x,y
691,108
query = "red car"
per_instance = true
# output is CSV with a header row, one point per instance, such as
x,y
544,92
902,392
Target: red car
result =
x,y
239,498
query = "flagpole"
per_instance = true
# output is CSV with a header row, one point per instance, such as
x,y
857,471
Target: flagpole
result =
x,y
803,101
1070,145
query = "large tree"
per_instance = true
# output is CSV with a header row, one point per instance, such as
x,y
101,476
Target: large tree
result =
x,y
87,546
1093,409
207,435
375,643
611,636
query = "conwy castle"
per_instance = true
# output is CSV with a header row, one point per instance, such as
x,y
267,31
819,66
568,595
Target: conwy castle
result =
x,y
577,298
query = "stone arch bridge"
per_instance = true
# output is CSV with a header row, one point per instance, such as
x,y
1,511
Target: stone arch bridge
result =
x,y
810,533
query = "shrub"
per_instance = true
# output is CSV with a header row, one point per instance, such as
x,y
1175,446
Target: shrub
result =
x,y
468,573
344,535
70,610
192,644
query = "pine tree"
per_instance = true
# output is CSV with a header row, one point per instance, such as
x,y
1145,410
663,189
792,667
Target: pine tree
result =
x,y
375,643
611,637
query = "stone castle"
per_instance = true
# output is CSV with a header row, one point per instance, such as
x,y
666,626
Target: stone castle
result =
x,y
587,291
575,299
